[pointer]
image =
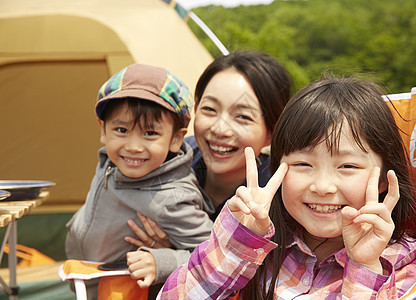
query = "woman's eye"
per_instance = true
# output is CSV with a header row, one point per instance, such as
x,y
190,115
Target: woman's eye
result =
x,y
121,130
245,118
207,109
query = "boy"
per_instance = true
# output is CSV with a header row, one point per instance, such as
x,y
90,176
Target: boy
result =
x,y
145,166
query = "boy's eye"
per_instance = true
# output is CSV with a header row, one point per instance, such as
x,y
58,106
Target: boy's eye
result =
x,y
121,130
150,133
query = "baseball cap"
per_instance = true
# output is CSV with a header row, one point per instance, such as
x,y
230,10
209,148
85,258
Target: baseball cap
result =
x,y
150,83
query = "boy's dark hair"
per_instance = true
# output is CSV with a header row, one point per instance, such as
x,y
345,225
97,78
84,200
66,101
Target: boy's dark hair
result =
x,y
144,113
146,83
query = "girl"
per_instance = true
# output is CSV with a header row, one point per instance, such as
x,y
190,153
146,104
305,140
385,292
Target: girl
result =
x,y
238,100
341,230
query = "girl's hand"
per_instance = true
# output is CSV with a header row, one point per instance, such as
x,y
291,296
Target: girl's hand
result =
x,y
153,237
366,232
142,267
251,204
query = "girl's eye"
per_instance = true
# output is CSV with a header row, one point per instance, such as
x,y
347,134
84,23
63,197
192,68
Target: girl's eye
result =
x,y
121,130
302,164
349,166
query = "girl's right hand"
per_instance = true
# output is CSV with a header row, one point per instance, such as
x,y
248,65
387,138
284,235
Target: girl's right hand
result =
x,y
153,236
251,204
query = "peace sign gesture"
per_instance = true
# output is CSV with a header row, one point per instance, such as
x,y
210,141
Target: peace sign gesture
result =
x,y
251,204
366,232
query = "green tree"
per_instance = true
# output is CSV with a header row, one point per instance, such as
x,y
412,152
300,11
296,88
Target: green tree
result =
x,y
309,37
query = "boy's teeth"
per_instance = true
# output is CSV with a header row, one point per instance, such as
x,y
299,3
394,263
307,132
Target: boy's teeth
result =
x,y
133,161
325,208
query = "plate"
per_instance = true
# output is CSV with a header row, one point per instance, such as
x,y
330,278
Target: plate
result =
x,y
24,189
4,194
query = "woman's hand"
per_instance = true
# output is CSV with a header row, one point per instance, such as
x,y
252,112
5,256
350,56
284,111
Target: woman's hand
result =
x,y
366,232
142,267
153,237
251,204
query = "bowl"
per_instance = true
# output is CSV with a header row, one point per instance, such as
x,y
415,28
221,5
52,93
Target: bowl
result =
x,y
24,189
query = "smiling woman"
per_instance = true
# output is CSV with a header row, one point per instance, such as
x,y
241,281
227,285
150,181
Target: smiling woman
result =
x,y
326,152
238,99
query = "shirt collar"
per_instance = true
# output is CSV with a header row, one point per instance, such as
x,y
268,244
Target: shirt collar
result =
x,y
339,256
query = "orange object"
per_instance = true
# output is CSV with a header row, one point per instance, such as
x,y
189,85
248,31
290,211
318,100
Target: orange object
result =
x,y
404,112
121,287
113,285
30,256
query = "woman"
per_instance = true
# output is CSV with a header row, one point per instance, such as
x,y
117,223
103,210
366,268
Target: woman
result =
x,y
238,99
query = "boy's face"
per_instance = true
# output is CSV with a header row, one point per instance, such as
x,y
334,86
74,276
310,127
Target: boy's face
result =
x,y
137,152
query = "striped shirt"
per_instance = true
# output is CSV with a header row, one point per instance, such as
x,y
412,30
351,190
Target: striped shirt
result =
x,y
224,264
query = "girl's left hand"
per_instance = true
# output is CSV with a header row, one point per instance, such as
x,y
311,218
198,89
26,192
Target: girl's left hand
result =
x,y
153,237
366,232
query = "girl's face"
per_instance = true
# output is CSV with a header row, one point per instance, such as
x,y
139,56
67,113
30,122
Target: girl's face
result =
x,y
319,184
228,119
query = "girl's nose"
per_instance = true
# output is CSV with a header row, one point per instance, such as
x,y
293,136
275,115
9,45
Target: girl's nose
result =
x,y
323,184
222,127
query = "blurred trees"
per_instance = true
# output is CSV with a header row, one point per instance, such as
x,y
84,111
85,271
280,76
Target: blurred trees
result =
x,y
376,37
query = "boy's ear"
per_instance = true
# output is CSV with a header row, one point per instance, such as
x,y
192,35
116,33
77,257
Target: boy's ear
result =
x,y
177,139
102,131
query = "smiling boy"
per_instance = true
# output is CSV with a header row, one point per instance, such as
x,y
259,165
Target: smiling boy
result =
x,y
143,113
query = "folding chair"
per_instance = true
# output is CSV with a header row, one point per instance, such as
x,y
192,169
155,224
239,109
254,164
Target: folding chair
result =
x,y
113,285
404,112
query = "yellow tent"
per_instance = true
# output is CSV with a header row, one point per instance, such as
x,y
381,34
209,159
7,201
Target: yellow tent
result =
x,y
54,56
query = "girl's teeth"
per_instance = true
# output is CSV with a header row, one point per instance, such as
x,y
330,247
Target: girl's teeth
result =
x,y
325,208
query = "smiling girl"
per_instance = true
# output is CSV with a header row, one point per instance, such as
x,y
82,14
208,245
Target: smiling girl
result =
x,y
341,201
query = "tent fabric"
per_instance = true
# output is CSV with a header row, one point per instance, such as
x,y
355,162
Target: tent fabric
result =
x,y
54,56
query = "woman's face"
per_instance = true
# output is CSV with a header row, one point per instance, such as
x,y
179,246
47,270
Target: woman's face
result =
x,y
228,119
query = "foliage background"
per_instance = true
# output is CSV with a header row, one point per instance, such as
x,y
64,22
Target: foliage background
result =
x,y
375,37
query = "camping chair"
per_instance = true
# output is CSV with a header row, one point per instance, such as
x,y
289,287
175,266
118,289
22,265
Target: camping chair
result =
x,y
113,285
404,112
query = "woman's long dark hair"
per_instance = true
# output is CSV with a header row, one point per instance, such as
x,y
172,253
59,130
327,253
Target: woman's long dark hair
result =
x,y
314,114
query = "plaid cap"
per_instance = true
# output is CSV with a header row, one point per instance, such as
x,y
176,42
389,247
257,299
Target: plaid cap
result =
x,y
150,83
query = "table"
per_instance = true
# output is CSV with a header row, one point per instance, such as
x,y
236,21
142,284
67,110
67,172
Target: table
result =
x,y
10,212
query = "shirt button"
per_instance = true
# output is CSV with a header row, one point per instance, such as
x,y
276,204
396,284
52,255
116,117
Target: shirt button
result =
x,y
306,280
259,251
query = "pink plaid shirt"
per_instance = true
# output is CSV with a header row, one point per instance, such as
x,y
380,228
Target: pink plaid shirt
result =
x,y
224,264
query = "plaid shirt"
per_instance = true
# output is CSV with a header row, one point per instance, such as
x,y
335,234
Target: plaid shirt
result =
x,y
224,264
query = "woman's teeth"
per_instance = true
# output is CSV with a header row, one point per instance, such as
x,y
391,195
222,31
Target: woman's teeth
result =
x,y
221,149
325,208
